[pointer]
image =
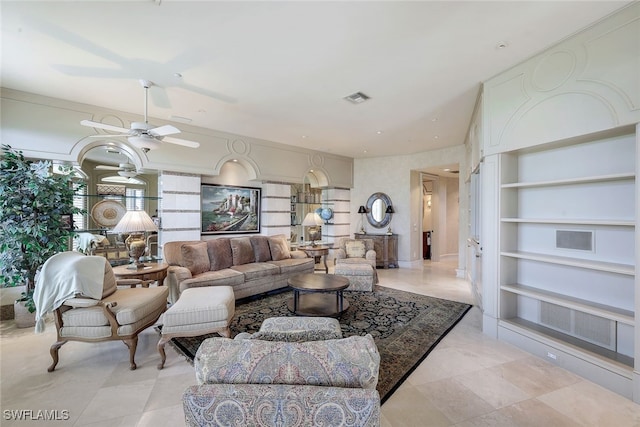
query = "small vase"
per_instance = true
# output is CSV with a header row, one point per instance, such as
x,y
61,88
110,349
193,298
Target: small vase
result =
x,y
22,316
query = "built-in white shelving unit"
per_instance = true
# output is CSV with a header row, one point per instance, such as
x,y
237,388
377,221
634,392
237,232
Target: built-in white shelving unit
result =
x,y
567,253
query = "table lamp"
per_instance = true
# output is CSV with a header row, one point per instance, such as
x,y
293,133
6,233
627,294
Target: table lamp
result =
x,y
312,220
135,223
362,210
389,211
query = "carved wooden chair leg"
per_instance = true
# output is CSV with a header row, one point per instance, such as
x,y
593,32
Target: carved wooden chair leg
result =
x,y
54,354
132,343
163,356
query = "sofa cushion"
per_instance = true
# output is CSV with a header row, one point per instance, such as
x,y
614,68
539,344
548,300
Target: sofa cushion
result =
x,y
220,254
261,248
355,249
347,362
224,277
295,265
279,248
195,257
256,270
242,250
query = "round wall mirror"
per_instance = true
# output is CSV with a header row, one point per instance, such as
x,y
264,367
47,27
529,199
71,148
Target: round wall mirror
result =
x,y
377,210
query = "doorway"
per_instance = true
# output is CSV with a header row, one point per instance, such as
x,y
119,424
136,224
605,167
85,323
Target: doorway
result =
x,y
440,213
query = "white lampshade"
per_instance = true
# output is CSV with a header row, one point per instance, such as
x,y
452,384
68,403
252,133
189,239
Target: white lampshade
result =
x,y
312,219
135,222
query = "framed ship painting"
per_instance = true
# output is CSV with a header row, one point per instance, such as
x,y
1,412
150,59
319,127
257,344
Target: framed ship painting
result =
x,y
229,209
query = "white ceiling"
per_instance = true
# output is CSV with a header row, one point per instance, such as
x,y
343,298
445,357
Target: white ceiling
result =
x,y
279,70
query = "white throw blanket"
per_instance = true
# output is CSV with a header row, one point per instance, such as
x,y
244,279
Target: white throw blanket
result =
x,y
87,241
64,276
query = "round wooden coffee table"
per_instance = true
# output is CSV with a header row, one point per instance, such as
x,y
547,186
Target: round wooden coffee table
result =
x,y
318,294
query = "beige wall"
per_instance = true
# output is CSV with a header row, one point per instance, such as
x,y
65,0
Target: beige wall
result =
x,y
399,178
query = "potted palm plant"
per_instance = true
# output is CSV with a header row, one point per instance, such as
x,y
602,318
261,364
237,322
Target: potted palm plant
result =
x,y
36,206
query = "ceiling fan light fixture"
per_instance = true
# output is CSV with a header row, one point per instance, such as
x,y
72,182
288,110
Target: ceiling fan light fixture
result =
x,y
144,142
127,173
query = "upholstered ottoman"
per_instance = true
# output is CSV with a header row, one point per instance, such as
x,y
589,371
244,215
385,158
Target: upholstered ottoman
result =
x,y
198,311
361,276
296,329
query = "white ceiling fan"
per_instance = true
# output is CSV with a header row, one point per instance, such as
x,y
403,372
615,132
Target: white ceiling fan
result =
x,y
142,134
127,170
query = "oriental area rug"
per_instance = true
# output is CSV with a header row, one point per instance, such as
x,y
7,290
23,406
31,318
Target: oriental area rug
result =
x,y
405,326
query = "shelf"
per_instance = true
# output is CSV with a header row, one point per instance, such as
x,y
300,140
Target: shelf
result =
x,y
119,196
611,222
601,310
610,360
573,262
572,181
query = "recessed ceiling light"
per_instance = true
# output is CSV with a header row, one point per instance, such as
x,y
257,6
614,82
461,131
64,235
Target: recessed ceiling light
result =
x,y
436,137
502,45
379,132
446,169
178,75
435,119
235,160
304,136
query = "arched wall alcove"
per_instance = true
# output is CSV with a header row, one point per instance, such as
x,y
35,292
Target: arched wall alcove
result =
x,y
80,151
316,178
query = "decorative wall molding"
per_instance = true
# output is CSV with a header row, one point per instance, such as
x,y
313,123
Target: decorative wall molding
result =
x,y
585,84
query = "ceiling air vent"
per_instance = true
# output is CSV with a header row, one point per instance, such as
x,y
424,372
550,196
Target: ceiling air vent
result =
x,y
357,98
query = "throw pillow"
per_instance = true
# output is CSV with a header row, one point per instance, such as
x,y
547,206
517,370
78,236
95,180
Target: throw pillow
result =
x,y
355,249
242,250
220,253
279,248
195,257
261,248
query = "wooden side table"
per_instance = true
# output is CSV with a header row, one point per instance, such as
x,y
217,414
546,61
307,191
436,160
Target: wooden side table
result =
x,y
152,272
317,251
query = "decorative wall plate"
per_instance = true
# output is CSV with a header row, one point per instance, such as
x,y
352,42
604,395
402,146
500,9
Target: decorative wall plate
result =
x,y
107,213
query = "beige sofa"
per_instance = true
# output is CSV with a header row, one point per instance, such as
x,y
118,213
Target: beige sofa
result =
x,y
251,265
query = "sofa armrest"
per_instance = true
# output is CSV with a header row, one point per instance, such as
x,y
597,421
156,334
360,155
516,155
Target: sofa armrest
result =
x,y
371,257
339,254
176,275
262,404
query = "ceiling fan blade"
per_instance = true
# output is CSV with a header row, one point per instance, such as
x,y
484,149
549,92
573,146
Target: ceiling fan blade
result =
x,y
107,167
164,130
183,142
160,98
104,126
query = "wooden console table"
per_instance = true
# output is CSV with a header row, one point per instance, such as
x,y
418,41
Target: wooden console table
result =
x,y
386,247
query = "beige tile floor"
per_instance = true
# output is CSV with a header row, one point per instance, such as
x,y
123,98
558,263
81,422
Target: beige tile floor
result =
x,y
468,380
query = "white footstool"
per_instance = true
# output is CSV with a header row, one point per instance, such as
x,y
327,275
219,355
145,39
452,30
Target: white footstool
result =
x,y
198,311
361,276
